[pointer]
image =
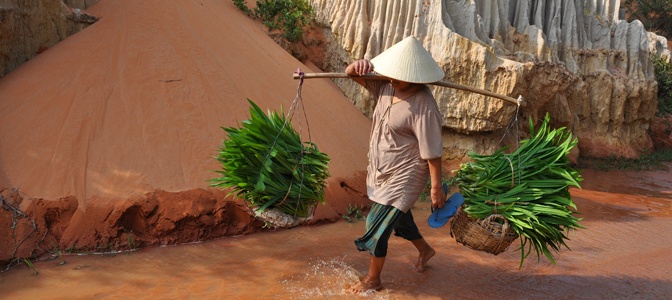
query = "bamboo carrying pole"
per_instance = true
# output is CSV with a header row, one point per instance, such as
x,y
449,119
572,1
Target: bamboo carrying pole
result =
x,y
447,84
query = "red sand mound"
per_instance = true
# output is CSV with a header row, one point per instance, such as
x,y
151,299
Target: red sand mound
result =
x,y
114,130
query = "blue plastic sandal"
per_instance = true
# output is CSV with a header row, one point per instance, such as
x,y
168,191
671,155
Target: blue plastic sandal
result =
x,y
440,217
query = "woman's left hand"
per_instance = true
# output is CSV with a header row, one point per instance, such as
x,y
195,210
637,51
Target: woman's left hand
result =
x,y
438,197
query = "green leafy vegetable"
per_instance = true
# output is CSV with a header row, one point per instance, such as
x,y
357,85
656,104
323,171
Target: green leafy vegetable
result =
x,y
266,163
529,187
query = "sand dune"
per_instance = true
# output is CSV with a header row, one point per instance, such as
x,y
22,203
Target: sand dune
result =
x,y
135,102
112,134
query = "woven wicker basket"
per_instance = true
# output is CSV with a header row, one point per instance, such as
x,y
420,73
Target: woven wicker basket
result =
x,y
482,234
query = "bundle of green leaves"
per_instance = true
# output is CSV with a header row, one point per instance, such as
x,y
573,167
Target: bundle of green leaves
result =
x,y
266,163
529,187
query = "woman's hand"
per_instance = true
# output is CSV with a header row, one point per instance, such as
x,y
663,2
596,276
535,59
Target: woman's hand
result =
x,y
359,68
438,197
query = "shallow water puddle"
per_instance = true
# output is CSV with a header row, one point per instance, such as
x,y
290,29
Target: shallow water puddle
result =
x,y
623,253
289,264
612,259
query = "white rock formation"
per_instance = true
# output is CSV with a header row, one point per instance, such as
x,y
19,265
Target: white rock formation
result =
x,y
572,58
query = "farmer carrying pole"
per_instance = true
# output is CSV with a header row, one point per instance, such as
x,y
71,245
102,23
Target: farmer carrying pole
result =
x,y
405,151
405,148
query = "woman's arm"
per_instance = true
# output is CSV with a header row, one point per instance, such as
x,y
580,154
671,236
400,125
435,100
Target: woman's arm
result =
x,y
437,194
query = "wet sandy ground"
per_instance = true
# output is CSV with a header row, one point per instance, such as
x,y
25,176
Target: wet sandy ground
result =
x,y
623,254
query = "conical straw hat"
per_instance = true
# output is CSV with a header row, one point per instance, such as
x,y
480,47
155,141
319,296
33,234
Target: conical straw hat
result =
x,y
408,61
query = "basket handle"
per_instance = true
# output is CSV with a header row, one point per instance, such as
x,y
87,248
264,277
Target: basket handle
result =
x,y
505,226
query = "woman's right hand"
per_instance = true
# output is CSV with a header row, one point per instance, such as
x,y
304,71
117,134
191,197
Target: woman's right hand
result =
x,y
359,68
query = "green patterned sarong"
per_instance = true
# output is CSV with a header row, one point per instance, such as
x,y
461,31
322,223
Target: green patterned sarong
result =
x,y
380,222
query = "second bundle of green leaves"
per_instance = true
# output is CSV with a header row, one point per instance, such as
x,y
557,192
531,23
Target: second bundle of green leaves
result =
x,y
529,187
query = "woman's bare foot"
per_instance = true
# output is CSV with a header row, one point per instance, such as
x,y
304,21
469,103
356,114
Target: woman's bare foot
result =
x,y
365,284
423,258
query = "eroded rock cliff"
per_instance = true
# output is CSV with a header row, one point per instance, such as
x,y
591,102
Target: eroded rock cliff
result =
x,y
574,59
28,28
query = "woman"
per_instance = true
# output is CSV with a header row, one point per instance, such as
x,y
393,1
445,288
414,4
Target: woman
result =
x,y
405,149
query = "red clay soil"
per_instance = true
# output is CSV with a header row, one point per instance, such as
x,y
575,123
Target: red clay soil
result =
x,y
109,137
